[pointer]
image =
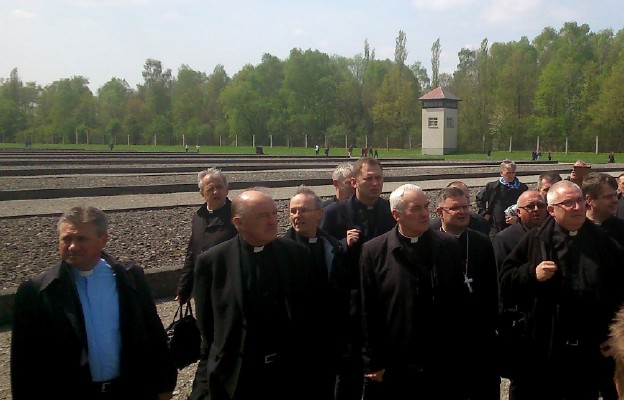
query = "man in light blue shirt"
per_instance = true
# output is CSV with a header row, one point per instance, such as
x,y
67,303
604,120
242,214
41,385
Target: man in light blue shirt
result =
x,y
88,328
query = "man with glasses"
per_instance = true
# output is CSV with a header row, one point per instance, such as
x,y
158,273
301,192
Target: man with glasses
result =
x,y
481,280
568,276
328,259
477,222
363,216
531,210
413,306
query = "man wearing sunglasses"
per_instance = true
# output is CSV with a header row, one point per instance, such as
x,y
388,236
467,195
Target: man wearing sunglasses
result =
x,y
568,276
531,210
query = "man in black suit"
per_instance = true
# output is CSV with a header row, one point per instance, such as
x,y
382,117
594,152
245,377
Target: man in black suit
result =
x,y
211,225
88,328
620,209
362,217
328,259
257,306
413,306
481,280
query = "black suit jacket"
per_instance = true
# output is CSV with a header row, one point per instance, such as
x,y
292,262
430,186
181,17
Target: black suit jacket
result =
x,y
207,230
222,321
49,342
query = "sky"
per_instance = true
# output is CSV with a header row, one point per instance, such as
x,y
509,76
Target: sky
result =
x,y
48,40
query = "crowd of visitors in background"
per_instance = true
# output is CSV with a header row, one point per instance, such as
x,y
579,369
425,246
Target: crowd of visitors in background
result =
x,y
362,298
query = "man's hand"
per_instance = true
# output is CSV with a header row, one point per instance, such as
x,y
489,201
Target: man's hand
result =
x,y
376,376
353,235
545,270
487,216
181,299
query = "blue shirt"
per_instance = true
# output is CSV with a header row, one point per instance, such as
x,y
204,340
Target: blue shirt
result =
x,y
97,290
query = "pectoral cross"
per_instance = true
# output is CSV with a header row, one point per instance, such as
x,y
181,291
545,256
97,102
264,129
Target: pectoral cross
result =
x,y
467,282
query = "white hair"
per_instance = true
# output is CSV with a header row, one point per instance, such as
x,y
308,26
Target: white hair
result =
x,y
396,197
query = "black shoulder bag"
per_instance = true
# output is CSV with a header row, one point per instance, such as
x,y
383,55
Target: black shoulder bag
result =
x,y
184,337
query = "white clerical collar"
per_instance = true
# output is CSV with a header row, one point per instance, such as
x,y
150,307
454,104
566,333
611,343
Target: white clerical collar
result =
x,y
258,249
412,239
312,240
573,233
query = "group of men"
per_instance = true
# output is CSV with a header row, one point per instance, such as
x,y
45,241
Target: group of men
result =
x,y
361,298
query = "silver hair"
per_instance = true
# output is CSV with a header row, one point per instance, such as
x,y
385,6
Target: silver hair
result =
x,y
213,173
552,196
508,163
85,215
342,170
396,197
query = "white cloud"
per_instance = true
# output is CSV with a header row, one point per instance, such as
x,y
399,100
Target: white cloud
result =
x,y
299,32
500,11
22,14
441,5
172,16
109,3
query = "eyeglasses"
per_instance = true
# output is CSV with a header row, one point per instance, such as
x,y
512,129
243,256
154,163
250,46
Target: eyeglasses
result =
x,y
570,203
294,211
456,209
533,206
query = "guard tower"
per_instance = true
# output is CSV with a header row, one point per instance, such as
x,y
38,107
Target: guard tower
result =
x,y
439,122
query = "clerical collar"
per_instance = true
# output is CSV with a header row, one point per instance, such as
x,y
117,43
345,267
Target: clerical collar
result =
x,y
452,234
249,247
312,240
412,239
211,211
573,233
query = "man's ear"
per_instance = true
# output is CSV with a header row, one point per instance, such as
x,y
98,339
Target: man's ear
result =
x,y
335,182
396,215
236,221
439,211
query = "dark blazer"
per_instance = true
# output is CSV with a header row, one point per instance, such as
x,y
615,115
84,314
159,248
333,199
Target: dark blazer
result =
x,y
589,286
207,230
222,321
493,199
620,209
49,342
506,240
408,322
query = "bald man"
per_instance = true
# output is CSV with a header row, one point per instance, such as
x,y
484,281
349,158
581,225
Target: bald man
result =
x,y
257,310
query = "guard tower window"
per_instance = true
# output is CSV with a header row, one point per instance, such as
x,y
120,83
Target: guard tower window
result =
x,y
450,122
433,122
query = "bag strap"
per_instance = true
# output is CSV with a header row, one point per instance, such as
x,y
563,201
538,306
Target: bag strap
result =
x,y
188,310
178,314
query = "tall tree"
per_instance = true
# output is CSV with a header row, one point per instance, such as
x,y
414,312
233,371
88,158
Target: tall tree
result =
x,y
436,50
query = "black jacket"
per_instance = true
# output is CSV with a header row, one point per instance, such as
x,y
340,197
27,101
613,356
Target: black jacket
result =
x,y
208,229
49,342
493,199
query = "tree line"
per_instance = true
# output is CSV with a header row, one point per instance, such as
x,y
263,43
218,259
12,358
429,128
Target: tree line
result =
x,y
562,85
